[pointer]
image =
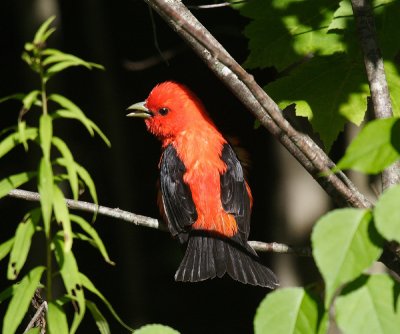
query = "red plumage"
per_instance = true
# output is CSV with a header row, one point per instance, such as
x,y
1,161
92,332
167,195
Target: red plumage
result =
x,y
206,199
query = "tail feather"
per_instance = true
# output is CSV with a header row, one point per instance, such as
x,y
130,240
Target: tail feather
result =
x,y
208,257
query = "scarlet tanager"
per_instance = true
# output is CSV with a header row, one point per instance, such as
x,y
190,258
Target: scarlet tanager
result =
x,y
206,200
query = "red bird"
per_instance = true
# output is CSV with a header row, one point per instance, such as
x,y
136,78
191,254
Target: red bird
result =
x,y
205,197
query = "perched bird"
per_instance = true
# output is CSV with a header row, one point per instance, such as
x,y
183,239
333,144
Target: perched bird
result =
x,y
206,200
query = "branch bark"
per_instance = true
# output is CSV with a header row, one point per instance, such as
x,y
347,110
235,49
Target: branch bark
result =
x,y
253,97
140,220
382,106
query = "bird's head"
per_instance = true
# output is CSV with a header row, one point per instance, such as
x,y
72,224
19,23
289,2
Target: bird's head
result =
x,y
170,109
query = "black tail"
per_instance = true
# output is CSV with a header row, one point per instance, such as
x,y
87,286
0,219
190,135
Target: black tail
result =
x,y
209,257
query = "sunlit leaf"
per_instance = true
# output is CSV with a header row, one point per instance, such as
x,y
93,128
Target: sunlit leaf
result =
x,y
14,181
376,147
290,310
72,280
12,140
34,330
100,133
30,99
22,137
56,319
393,80
328,91
387,214
5,248
282,32
62,216
72,111
344,244
156,329
68,164
46,134
41,34
19,304
85,226
45,188
22,243
370,305
90,286
87,179
98,317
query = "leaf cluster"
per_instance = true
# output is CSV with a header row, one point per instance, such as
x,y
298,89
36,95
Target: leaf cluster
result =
x,y
313,44
57,169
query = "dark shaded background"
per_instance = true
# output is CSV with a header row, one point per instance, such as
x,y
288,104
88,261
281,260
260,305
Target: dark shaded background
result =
x,y
141,285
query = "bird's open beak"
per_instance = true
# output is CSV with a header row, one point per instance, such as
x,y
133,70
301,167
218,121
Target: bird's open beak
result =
x,y
140,110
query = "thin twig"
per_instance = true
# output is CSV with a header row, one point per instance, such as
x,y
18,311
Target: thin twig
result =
x,y
381,103
42,309
93,208
150,222
242,84
216,5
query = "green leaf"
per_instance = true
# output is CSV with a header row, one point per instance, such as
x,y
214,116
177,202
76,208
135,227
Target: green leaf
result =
x,y
5,248
21,131
369,305
46,134
344,244
376,147
87,179
30,99
289,310
387,214
342,16
62,57
62,216
100,133
69,164
98,317
42,33
393,80
14,181
19,304
327,90
45,188
34,330
72,111
12,140
284,32
17,96
90,286
72,280
22,243
85,226
56,319
7,293
156,329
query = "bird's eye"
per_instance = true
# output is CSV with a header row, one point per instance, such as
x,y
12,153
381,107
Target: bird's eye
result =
x,y
163,111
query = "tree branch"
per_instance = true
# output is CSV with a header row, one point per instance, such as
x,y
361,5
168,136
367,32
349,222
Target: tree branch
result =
x,y
140,220
382,106
253,97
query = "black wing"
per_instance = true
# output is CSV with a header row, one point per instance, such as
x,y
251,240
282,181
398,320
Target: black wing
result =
x,y
177,198
234,196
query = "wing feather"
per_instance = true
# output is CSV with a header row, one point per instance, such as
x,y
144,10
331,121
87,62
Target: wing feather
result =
x,y
177,198
234,194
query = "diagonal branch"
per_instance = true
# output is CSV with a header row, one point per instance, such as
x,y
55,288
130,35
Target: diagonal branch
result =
x,y
382,106
253,97
140,220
